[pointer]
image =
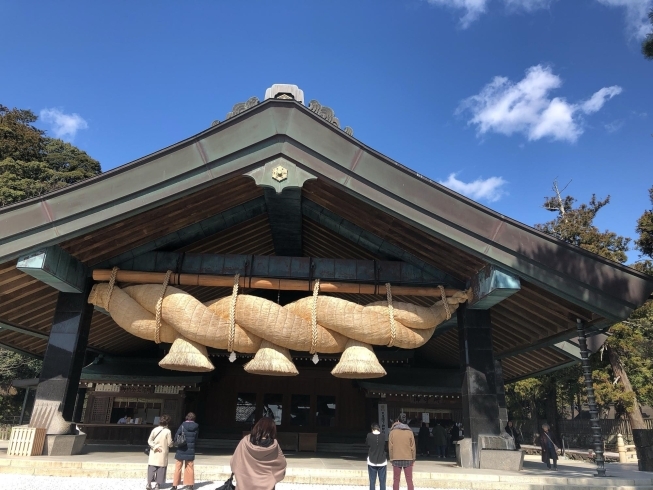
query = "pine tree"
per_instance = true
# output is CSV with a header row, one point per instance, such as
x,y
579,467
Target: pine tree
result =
x,y
32,164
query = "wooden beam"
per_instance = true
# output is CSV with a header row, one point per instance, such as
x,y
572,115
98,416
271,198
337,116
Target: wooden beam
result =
x,y
195,232
137,277
6,325
19,351
371,242
542,372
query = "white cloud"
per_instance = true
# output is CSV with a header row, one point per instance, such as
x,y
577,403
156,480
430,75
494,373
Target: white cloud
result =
x,y
594,103
490,189
63,125
637,22
526,107
473,9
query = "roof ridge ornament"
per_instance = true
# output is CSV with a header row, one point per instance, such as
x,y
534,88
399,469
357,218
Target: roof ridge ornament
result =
x,y
243,106
327,113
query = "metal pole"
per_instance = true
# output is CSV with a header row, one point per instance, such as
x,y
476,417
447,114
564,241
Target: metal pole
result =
x,y
589,387
22,411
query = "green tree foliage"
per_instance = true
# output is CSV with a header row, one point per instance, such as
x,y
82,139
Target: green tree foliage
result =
x,y
645,241
14,366
32,164
575,225
18,138
647,44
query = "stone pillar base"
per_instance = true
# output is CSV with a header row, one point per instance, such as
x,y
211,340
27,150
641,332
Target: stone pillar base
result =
x,y
501,459
63,445
465,453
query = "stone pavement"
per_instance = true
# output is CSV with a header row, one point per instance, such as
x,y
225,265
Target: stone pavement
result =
x,y
129,462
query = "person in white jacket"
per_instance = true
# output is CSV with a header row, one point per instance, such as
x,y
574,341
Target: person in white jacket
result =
x,y
160,441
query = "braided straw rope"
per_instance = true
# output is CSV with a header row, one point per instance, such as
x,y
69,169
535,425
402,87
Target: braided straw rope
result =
x,y
159,307
314,335
112,283
232,315
391,312
445,303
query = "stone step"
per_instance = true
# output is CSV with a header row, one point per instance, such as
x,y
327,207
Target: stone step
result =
x,y
219,473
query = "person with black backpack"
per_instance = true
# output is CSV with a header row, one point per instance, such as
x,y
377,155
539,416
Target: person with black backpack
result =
x,y
377,462
185,440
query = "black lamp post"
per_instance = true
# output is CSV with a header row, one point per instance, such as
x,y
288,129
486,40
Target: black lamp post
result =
x,y
589,386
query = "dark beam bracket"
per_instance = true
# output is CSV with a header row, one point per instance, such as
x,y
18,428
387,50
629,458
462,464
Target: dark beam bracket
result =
x,y
55,267
369,271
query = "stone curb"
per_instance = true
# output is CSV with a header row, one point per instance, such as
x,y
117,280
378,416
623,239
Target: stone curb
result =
x,y
322,476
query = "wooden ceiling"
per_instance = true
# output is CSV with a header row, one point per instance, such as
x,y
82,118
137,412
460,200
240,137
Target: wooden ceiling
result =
x,y
527,317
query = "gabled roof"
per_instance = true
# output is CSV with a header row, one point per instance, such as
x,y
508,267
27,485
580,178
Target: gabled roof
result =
x,y
286,128
202,196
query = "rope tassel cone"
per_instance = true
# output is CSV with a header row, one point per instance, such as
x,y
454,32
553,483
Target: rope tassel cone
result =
x,y
249,324
358,361
186,355
272,360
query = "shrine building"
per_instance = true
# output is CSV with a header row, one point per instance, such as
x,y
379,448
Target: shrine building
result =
x,y
277,266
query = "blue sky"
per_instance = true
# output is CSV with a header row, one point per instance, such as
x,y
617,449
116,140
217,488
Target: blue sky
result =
x,y
495,98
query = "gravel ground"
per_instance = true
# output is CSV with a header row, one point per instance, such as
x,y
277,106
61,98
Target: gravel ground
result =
x,y
22,482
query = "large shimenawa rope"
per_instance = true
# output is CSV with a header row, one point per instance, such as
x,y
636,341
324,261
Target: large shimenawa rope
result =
x,y
159,307
314,333
391,312
217,324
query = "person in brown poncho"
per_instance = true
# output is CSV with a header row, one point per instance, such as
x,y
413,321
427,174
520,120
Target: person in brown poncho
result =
x,y
258,462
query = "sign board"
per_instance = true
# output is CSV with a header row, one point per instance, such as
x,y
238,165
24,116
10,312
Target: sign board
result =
x,y
383,419
426,418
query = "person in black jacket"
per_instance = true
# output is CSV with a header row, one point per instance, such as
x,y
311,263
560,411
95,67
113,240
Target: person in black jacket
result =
x,y
377,463
423,440
185,455
549,447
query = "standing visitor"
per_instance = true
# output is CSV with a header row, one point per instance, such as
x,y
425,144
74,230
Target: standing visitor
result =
x,y
160,441
423,438
258,462
185,455
549,448
514,433
440,440
377,464
401,445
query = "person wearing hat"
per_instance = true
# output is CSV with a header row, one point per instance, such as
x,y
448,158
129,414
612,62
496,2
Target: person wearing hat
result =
x,y
401,446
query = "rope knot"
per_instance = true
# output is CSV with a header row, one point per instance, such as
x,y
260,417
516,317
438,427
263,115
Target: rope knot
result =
x,y
159,307
443,295
314,337
391,312
232,319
